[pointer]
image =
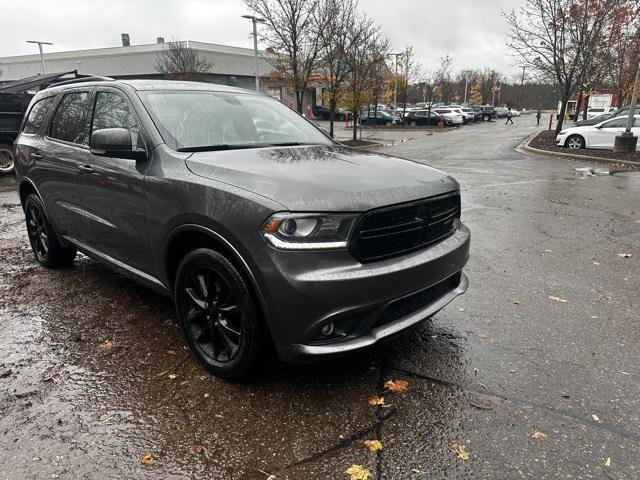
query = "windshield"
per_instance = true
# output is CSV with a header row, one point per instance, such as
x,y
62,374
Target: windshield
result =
x,y
205,120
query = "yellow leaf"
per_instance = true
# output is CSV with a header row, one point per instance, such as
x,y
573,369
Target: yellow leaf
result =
x,y
595,417
625,255
358,472
607,462
147,459
557,299
538,434
376,400
108,344
373,445
396,385
172,376
460,451
595,263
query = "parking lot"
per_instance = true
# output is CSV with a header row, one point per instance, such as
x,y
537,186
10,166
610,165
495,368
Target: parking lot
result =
x,y
533,373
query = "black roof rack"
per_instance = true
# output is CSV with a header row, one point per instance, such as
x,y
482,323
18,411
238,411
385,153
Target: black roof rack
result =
x,y
33,81
82,80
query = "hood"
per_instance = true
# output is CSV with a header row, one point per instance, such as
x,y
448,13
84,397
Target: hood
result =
x,y
322,178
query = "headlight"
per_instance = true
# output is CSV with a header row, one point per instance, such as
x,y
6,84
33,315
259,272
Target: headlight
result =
x,y
308,231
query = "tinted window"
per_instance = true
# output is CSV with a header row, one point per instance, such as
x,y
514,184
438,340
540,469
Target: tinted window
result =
x,y
70,123
616,123
112,111
37,115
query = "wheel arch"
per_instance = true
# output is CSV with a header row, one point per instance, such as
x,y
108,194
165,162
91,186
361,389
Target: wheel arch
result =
x,y
188,237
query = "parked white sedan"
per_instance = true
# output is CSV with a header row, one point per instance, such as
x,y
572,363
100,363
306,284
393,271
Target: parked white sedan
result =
x,y
601,135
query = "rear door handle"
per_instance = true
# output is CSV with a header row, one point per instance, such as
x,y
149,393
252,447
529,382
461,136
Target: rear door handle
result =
x,y
85,169
35,156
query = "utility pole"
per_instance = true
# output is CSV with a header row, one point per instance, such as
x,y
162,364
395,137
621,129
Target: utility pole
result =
x,y
627,141
40,43
395,80
467,74
255,21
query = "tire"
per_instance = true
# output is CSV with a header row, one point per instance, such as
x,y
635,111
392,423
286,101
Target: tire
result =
x,y
218,315
414,124
575,142
386,124
486,118
44,242
6,159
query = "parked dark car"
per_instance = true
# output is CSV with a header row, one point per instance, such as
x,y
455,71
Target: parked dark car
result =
x,y
324,113
602,118
261,228
379,118
424,118
487,112
12,108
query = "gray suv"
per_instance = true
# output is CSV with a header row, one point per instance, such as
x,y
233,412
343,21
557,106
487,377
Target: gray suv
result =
x,y
261,228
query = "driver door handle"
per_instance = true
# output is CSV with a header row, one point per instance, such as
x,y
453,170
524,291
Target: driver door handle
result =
x,y
35,156
85,169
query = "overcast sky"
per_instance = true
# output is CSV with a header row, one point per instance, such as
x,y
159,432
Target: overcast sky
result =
x,y
471,31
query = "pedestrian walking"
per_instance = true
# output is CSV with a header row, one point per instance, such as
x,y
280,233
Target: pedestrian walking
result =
x,y
509,117
538,116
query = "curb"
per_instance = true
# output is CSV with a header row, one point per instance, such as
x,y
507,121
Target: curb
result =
x,y
524,146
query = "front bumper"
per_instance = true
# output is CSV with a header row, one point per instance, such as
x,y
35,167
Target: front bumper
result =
x,y
560,140
308,290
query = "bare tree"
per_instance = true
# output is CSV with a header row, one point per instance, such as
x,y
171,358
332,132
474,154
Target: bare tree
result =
x,y
412,73
338,38
560,38
369,46
293,32
442,79
622,60
180,62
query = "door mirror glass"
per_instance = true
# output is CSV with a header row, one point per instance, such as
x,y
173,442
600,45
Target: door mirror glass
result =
x,y
111,140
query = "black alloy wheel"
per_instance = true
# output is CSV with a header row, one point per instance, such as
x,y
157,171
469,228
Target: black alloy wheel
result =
x,y
217,314
44,242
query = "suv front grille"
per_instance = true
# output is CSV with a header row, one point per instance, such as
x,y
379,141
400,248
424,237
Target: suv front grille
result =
x,y
393,231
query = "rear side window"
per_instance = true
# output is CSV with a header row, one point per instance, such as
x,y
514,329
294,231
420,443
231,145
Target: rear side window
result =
x,y
112,111
70,121
37,115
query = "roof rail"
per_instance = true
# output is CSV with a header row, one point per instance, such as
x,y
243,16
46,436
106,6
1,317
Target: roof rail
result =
x,y
82,80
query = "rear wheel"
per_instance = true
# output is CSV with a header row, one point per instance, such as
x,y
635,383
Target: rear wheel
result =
x,y
6,159
486,118
44,242
218,316
575,142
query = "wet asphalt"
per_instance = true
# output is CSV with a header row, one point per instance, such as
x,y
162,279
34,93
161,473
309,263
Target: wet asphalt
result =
x,y
94,374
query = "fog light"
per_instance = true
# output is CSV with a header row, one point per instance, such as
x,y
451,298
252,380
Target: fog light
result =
x,y
327,329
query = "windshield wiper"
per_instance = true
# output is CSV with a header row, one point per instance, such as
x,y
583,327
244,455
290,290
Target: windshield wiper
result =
x,y
238,146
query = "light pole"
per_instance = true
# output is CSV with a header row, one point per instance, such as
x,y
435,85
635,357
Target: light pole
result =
x,y
626,142
395,80
255,21
40,43
467,76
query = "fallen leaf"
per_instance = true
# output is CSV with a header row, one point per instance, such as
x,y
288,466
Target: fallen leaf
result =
x,y
595,263
108,344
376,400
557,299
373,445
358,472
538,434
51,374
396,385
625,255
172,376
482,335
460,451
595,418
415,471
196,448
609,296
607,462
147,459
516,302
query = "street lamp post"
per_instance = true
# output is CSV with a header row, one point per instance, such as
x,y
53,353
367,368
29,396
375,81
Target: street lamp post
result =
x,y
255,21
627,141
40,43
467,75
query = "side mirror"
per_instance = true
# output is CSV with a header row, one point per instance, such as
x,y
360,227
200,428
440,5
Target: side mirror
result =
x,y
114,142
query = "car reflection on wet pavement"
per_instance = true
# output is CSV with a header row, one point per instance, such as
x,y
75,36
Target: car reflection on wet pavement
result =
x,y
94,374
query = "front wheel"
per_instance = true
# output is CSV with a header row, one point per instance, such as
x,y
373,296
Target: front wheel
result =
x,y
6,159
218,316
575,142
44,242
486,118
